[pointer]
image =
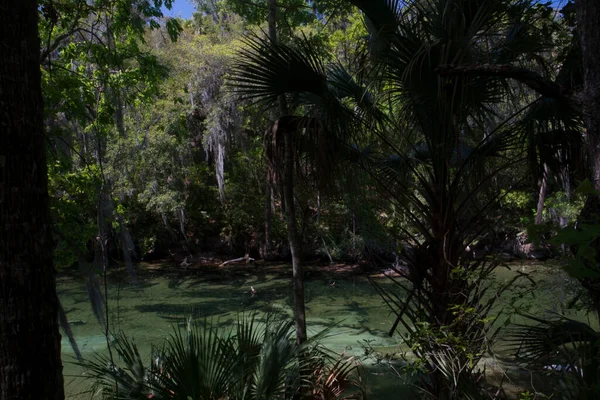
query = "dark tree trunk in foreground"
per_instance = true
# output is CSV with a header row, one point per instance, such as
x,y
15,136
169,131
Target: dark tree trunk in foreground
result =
x,y
30,365
288,199
588,26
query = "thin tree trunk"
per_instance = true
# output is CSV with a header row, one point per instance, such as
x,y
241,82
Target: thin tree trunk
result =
x,y
318,207
30,364
542,196
295,248
290,209
268,249
353,231
588,26
103,221
272,20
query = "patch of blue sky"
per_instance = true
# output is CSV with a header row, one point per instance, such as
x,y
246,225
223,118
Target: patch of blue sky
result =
x,y
181,8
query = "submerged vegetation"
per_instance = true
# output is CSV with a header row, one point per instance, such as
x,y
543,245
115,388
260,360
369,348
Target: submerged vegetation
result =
x,y
426,141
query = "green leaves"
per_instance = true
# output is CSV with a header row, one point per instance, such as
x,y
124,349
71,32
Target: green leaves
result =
x,y
73,197
95,53
581,240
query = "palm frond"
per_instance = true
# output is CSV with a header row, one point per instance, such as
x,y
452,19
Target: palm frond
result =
x,y
277,354
130,381
546,338
266,70
551,134
381,21
197,363
566,348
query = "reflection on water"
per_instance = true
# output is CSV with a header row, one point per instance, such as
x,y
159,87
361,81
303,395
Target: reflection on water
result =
x,y
351,308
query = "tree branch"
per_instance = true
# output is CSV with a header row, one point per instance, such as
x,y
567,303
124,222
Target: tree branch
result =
x,y
56,43
532,79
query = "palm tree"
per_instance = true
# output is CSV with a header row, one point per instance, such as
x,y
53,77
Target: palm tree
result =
x,y
297,146
436,141
287,162
248,362
574,95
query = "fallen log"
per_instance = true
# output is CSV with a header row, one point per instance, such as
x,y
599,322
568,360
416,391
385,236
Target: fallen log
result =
x,y
247,259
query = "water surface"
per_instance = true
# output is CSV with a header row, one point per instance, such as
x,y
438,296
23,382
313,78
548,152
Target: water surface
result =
x,y
350,307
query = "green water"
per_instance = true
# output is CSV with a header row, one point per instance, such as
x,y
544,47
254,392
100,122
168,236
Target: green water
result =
x,y
351,308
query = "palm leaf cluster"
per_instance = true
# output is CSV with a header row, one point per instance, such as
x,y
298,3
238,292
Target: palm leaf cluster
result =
x,y
562,348
327,106
251,361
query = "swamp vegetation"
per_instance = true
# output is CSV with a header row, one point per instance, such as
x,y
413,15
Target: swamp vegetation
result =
x,y
286,199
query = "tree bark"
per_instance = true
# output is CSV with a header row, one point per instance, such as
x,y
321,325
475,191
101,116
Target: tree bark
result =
x,y
290,209
30,364
588,26
542,196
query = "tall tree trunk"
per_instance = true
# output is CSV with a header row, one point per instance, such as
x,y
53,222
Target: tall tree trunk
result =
x,y
588,26
30,364
290,209
542,196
